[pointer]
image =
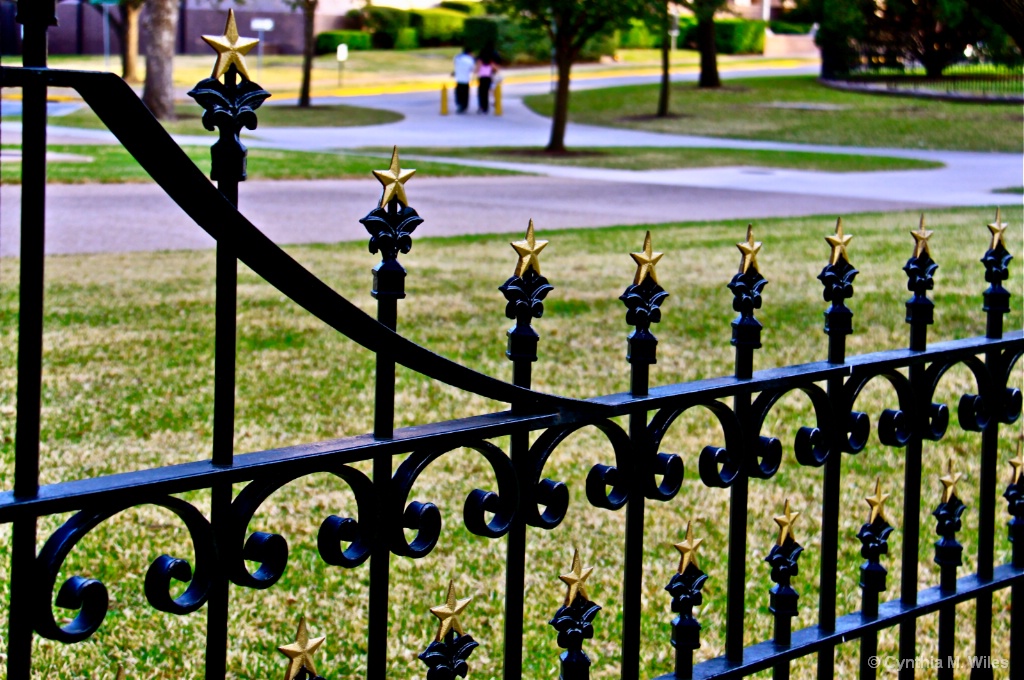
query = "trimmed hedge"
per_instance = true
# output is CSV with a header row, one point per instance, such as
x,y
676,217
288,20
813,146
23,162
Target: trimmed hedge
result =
x,y
519,44
437,26
328,41
408,39
789,28
685,39
386,24
467,7
639,36
739,36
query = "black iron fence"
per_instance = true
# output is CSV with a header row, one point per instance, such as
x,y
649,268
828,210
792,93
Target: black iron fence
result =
x,y
960,82
536,424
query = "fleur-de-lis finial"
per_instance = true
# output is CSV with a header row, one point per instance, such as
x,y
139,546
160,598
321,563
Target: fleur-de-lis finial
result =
x,y
998,230
688,549
839,242
921,236
448,613
949,481
300,653
393,179
786,521
529,252
877,503
749,250
231,49
645,262
1017,463
575,578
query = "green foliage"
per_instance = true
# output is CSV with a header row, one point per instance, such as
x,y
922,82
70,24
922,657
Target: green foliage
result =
x,y
787,28
408,39
328,41
639,36
601,45
739,36
386,24
437,27
481,33
514,42
576,21
467,7
686,37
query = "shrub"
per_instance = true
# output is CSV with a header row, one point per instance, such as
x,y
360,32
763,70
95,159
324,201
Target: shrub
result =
x,y
467,7
519,44
386,24
638,36
481,33
601,45
788,28
437,26
408,39
328,41
355,20
739,36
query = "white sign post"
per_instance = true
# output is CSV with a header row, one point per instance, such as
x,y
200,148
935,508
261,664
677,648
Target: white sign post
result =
x,y
260,25
342,58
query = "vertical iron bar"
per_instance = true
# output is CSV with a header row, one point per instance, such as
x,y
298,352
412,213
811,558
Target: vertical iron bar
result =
x,y
633,567
36,19
736,588
515,566
947,623
868,641
1016,616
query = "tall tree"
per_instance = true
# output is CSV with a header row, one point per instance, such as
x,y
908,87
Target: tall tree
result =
x,y
665,20
308,8
130,11
705,11
1009,14
161,21
570,24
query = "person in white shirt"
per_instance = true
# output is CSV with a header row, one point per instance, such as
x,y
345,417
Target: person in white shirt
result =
x,y
463,72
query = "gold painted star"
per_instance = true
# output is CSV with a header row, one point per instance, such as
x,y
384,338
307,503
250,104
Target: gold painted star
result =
x,y
1018,463
998,230
877,502
786,522
688,549
231,49
921,237
529,252
645,262
575,579
300,653
749,248
448,613
839,243
393,179
949,483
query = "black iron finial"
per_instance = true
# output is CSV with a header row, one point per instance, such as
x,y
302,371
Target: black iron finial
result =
x,y
948,551
837,278
997,269
643,300
874,539
920,269
746,287
574,622
783,559
300,655
1014,496
525,291
446,655
685,589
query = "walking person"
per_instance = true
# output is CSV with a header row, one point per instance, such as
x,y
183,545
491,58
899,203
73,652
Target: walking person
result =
x,y
485,72
463,72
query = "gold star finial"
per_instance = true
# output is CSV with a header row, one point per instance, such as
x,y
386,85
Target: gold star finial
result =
x,y
231,49
529,252
839,243
877,502
645,261
448,613
393,179
786,521
998,230
949,482
688,549
921,237
300,653
749,249
1017,463
575,579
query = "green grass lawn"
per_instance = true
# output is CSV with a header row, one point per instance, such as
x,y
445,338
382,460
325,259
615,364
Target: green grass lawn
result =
x,y
113,164
1010,190
190,115
655,158
128,385
762,108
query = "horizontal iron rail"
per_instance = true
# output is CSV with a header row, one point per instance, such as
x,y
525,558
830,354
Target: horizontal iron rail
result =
x,y
850,627
78,494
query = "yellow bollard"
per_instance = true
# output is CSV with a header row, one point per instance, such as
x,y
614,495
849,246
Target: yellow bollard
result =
x,y
444,99
497,99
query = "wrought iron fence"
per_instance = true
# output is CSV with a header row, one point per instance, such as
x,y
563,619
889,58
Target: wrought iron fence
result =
x,y
523,495
960,82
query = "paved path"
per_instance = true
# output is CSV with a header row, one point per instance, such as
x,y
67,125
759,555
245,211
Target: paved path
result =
x,y
140,217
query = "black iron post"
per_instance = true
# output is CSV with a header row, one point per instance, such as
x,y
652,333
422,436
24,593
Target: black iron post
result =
x,y
874,538
783,559
574,623
643,299
920,270
525,291
746,287
36,16
1014,496
685,589
949,556
837,278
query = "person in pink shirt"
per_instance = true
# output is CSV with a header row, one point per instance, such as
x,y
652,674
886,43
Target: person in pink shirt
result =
x,y
486,69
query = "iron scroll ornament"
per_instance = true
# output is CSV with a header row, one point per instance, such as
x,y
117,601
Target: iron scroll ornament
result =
x,y
271,550
89,596
716,467
425,518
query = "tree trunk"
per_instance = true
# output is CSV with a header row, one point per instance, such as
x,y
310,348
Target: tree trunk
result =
x,y
130,42
308,16
161,20
664,93
708,53
563,59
